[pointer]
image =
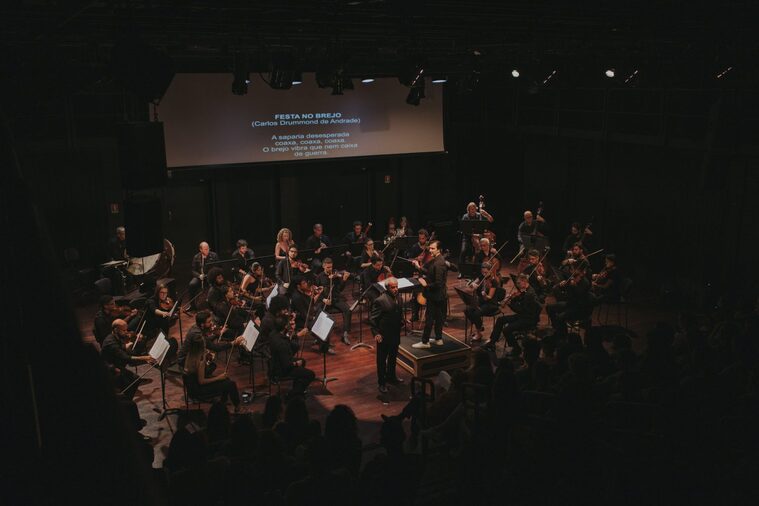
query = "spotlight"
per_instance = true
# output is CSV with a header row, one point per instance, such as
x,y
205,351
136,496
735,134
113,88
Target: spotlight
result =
x,y
515,73
631,76
367,80
724,72
609,73
297,78
241,75
440,80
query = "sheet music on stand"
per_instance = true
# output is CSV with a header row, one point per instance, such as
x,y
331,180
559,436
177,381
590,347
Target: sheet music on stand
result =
x,y
250,335
159,349
322,326
469,227
274,293
404,283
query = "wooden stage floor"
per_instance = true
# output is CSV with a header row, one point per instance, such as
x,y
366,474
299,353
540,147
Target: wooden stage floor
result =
x,y
355,371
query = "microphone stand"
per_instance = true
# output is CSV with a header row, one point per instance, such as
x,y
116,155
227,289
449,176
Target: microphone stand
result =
x,y
360,343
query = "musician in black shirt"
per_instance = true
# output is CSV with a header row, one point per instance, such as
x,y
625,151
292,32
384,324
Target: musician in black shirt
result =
x,y
283,361
204,329
257,286
607,283
117,356
117,245
372,275
541,280
159,312
434,279
575,235
526,315
199,269
333,284
577,306
290,268
530,230
466,239
420,246
218,287
355,235
488,292
318,242
385,319
242,258
108,312
230,311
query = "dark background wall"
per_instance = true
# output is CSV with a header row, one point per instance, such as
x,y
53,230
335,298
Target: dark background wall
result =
x,y
667,177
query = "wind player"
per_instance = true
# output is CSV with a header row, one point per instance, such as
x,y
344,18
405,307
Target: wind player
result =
x,y
203,257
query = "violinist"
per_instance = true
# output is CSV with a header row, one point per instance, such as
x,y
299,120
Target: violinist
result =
x,y
524,303
116,353
218,287
540,280
284,242
238,316
333,283
433,280
199,269
110,311
242,258
283,361
575,259
488,291
306,303
377,271
472,214
369,254
159,310
289,268
206,329
201,382
358,234
605,285
577,304
486,253
279,307
257,287
421,245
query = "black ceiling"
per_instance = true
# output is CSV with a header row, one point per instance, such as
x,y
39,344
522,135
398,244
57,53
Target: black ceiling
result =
x,y
379,36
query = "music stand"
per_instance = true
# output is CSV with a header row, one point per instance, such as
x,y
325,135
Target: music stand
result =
x,y
361,343
469,227
321,329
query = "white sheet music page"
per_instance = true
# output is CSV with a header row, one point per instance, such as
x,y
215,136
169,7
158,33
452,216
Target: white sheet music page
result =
x,y
322,326
250,335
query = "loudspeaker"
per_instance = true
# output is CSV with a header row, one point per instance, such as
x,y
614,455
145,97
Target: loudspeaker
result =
x,y
143,219
142,155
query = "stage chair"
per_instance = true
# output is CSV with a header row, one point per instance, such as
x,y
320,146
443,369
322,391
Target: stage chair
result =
x,y
195,398
621,305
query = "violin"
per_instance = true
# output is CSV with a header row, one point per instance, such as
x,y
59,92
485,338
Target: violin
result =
x,y
301,266
575,278
515,294
166,304
425,256
122,312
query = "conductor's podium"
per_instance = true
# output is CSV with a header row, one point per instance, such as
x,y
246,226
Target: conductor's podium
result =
x,y
453,354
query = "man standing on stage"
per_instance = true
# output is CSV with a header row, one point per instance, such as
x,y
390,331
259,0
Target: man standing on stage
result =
x,y
434,277
385,320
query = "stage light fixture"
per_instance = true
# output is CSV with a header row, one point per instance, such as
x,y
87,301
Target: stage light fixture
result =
x,y
515,73
631,76
416,93
724,72
297,78
367,80
241,74
440,80
549,77
610,73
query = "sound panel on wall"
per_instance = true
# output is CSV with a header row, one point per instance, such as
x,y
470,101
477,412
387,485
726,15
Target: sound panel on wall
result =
x,y
142,155
144,226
